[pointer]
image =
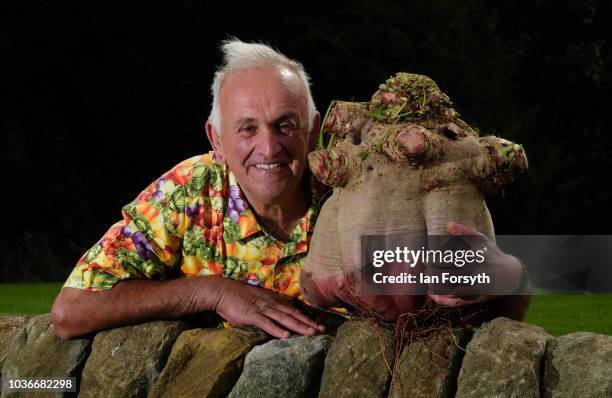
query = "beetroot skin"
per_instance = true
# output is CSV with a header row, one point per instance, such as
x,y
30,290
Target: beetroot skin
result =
x,y
403,163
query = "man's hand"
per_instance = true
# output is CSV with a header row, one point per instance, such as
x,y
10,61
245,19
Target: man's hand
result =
x,y
506,269
78,312
242,304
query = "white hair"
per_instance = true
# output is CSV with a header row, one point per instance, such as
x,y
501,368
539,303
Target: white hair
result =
x,y
240,55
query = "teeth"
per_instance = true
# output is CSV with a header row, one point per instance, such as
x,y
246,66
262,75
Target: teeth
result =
x,y
268,166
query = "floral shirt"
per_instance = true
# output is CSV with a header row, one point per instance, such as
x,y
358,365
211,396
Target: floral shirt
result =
x,y
192,221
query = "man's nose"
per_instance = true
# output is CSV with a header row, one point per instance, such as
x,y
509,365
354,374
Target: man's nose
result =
x,y
269,143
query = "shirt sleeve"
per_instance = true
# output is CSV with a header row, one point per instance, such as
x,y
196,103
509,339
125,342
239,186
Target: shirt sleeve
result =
x,y
146,243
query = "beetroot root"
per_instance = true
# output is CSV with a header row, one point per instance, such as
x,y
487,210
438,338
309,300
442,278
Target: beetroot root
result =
x,y
402,163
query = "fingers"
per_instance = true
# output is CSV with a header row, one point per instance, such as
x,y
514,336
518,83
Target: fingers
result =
x,y
269,318
243,304
278,313
281,311
461,229
290,322
470,235
453,301
266,324
295,313
456,301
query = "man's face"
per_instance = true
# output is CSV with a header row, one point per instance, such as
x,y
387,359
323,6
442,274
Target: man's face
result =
x,y
264,138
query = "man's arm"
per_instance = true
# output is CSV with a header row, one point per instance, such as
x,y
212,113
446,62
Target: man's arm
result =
x,y
78,312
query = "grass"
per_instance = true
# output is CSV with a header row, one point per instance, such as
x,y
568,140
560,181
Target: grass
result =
x,y
27,298
562,314
557,314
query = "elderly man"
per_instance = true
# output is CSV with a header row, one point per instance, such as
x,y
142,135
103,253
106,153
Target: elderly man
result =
x,y
232,221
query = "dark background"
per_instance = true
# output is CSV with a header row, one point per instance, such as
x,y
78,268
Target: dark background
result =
x,y
98,99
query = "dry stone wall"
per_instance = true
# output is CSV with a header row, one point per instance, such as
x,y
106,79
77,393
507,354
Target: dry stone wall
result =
x,y
503,358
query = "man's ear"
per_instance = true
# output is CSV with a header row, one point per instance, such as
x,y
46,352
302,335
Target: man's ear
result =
x,y
215,141
314,132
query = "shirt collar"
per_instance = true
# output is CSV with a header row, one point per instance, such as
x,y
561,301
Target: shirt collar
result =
x,y
239,211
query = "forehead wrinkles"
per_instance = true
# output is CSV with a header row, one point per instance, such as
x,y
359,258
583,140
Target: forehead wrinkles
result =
x,y
274,91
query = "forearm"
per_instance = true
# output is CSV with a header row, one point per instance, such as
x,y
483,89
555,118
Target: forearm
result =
x,y
513,307
514,277
77,312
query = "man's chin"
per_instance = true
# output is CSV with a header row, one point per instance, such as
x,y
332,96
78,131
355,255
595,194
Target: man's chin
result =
x,y
272,196
273,193
274,188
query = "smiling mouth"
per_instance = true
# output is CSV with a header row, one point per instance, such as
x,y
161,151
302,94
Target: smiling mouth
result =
x,y
268,166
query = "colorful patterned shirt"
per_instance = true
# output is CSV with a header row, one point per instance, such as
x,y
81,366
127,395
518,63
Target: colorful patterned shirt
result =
x,y
195,219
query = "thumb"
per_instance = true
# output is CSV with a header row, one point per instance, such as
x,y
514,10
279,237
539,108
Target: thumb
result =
x,y
460,229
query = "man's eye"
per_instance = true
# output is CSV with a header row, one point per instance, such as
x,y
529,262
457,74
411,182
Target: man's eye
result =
x,y
287,127
246,129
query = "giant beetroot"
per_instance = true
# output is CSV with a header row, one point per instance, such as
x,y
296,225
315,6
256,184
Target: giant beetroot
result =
x,y
402,163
